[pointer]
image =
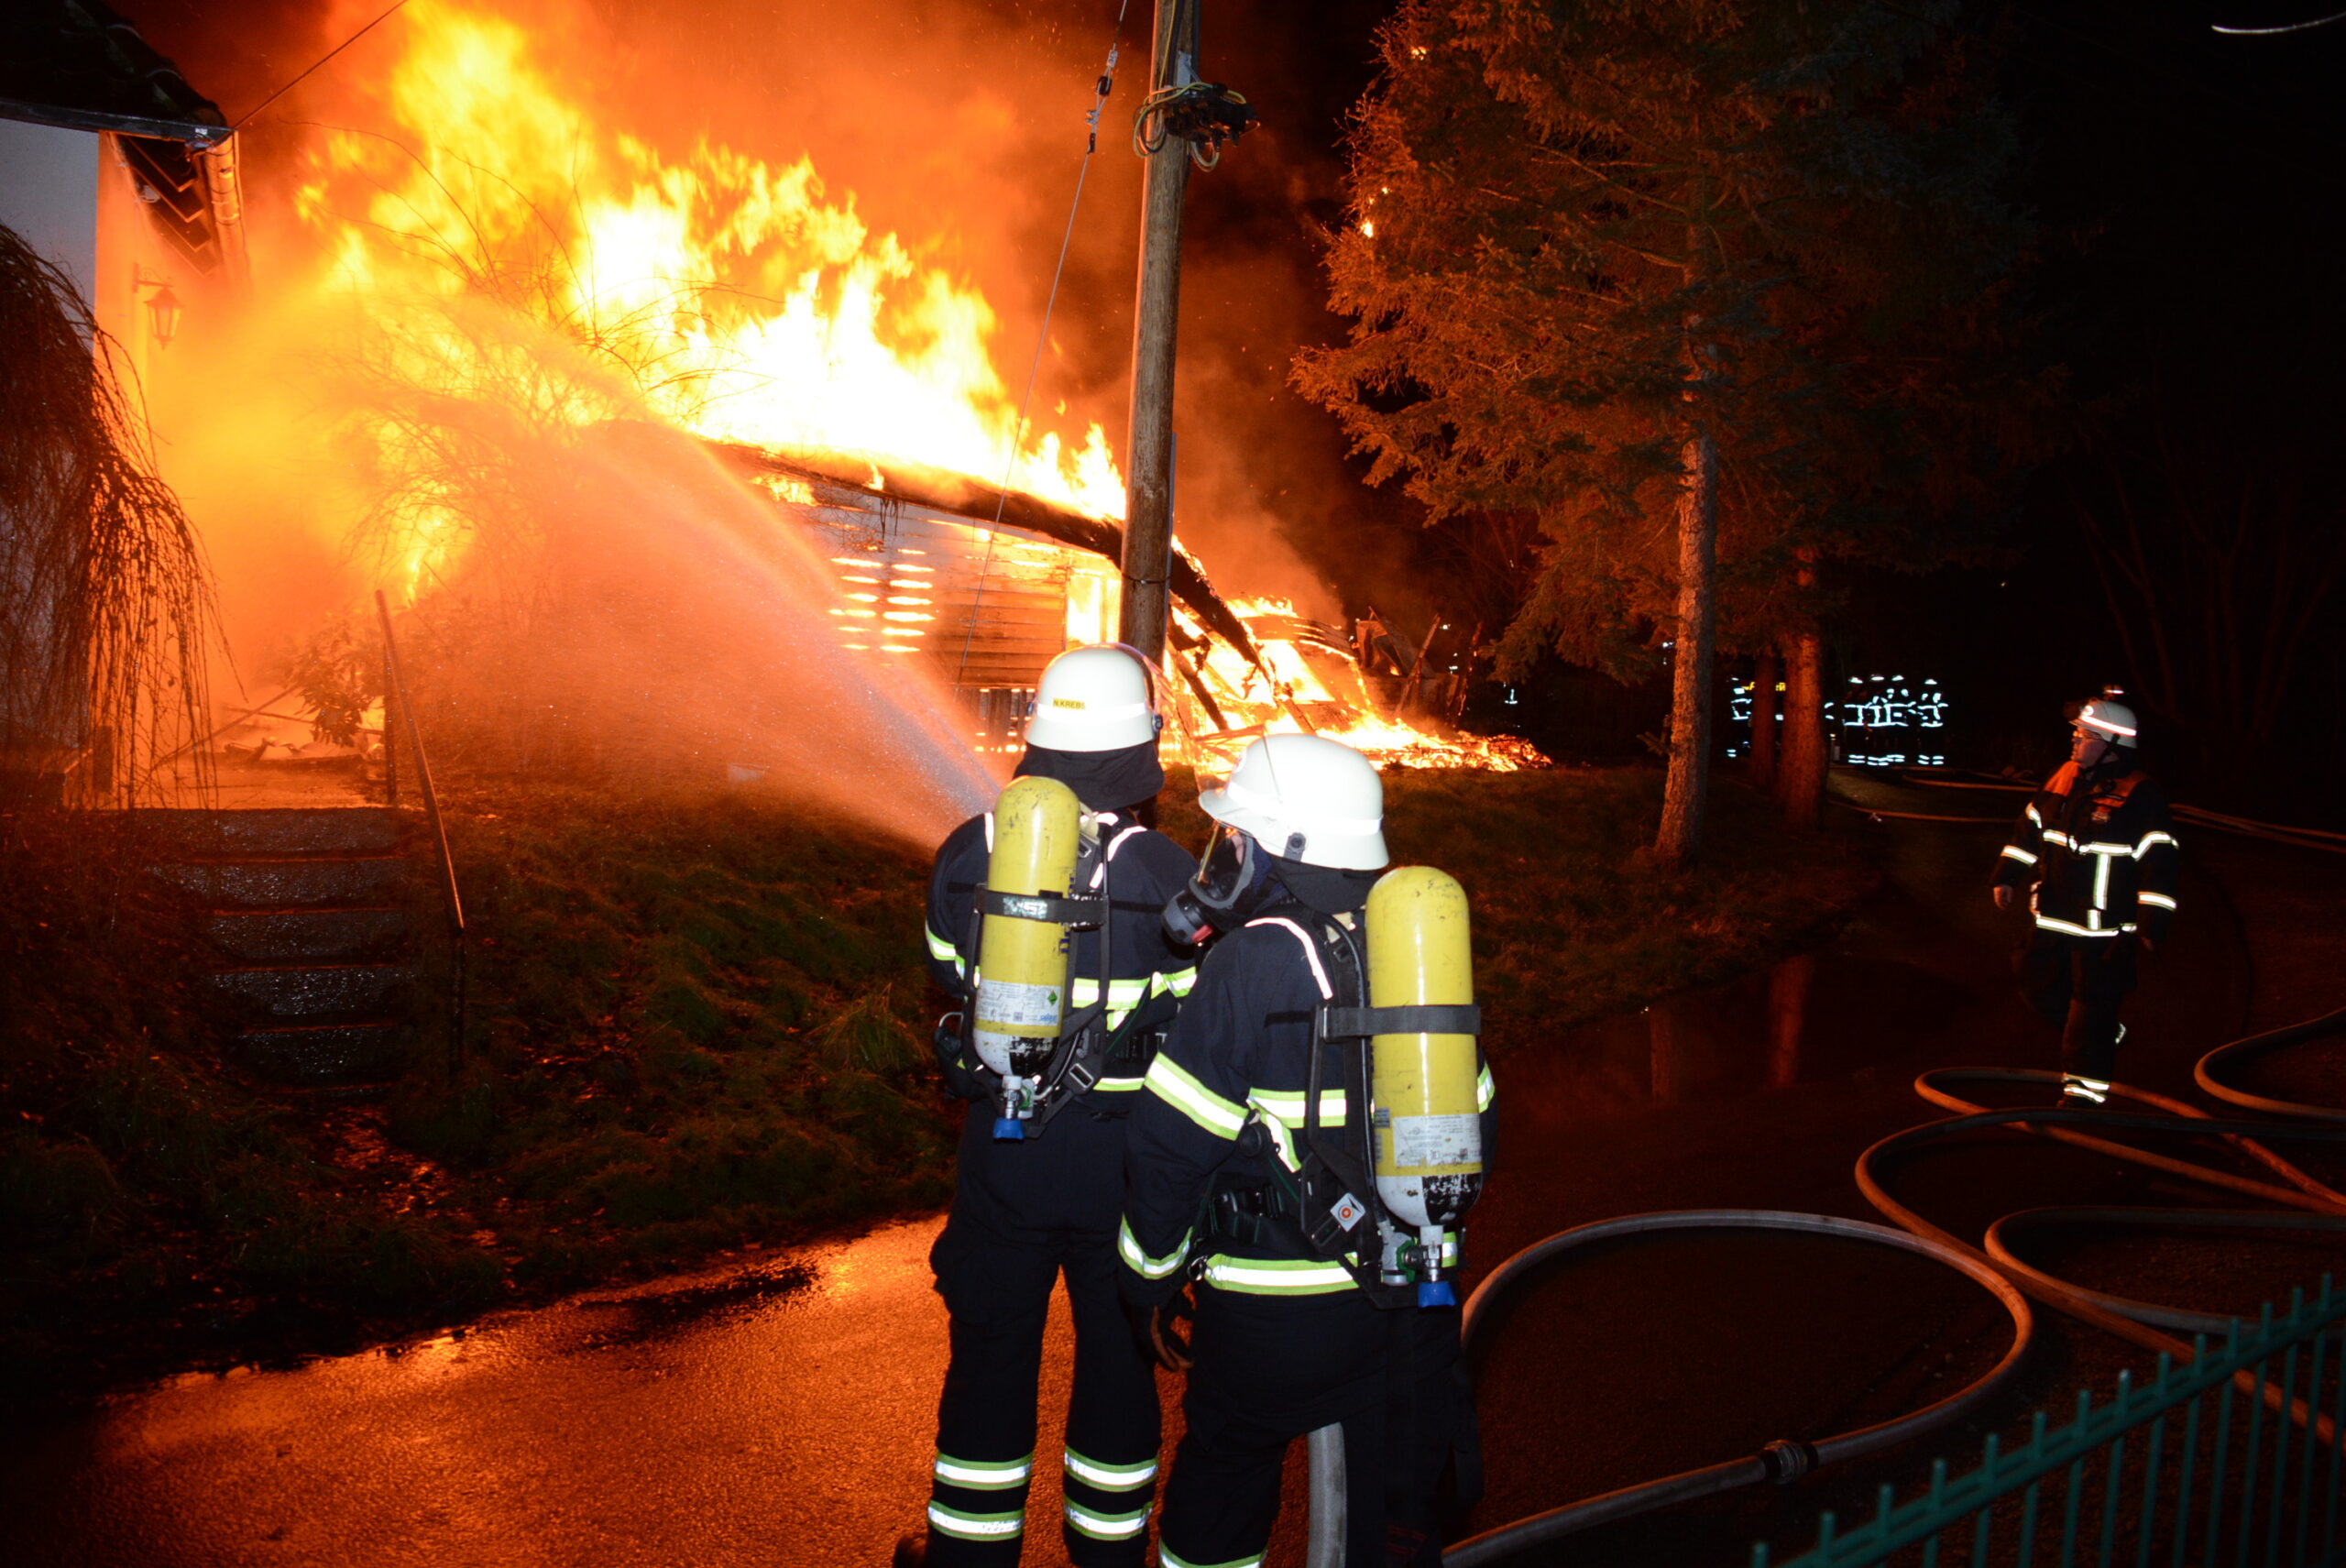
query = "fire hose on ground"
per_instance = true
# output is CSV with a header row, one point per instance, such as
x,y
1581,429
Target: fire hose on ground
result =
x,y
2305,1204
2297,838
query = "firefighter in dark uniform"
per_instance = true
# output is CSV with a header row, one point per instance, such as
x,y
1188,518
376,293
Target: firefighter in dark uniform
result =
x,y
2096,850
1287,1339
1027,1211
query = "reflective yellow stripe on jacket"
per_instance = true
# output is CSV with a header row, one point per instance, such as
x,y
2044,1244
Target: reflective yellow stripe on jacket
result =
x,y
1128,1247
1277,1276
1180,1088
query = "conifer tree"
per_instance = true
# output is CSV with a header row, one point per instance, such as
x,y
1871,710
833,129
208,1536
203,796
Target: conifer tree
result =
x,y
1709,287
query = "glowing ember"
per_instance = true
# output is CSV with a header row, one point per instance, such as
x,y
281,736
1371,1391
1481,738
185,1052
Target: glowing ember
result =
x,y
1310,681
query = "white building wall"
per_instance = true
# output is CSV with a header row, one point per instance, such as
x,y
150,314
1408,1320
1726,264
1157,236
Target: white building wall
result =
x,y
49,194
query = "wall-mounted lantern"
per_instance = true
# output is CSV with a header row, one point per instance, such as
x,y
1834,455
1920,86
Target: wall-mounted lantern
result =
x,y
163,307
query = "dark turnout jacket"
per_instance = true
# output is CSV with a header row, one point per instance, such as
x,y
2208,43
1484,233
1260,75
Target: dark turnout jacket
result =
x,y
2098,853
1240,1052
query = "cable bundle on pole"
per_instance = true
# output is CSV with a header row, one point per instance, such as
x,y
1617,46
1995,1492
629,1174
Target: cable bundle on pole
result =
x,y
1203,114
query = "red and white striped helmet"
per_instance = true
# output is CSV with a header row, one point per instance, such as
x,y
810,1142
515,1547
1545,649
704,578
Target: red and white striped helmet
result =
x,y
2111,719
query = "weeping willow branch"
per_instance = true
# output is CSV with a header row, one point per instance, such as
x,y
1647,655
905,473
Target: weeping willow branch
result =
x,y
106,603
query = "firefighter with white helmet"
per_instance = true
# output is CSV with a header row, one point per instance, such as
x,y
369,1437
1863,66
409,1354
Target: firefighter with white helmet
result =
x,y
1044,915
1308,1140
2095,850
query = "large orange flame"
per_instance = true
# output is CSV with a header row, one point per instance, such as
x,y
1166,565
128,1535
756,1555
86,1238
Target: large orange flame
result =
x,y
726,296
737,298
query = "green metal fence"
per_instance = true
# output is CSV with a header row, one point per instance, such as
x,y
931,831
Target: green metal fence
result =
x,y
2231,1458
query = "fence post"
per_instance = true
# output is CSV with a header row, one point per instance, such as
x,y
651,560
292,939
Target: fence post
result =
x,y
455,901
390,751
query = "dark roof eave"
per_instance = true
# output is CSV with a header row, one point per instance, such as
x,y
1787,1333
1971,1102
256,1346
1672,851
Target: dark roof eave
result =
x,y
190,132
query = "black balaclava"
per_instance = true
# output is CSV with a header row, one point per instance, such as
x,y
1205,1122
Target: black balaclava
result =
x,y
1327,890
2115,762
1103,781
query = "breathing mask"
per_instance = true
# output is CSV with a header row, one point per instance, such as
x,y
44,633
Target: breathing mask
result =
x,y
1233,878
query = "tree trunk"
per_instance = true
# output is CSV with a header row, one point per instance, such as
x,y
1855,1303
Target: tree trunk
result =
x,y
1690,705
1763,720
1799,777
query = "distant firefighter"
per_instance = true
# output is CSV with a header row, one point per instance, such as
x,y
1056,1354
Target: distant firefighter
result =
x,y
2096,852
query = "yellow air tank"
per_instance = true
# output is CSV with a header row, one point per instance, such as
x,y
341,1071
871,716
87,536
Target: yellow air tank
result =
x,y
1425,1087
1023,961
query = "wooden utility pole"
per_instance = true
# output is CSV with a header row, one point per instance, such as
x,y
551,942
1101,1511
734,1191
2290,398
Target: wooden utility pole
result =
x,y
1149,451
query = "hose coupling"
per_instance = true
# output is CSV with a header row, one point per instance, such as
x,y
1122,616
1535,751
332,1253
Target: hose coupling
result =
x,y
1788,1459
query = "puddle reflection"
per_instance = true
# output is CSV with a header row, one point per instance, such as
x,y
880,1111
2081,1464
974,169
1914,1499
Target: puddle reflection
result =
x,y
1810,1017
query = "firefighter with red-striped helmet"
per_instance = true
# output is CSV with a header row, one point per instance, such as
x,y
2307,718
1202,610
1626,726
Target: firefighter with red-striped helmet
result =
x,y
2096,852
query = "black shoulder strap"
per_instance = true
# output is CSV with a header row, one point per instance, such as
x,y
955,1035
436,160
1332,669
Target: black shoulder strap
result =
x,y
1084,1039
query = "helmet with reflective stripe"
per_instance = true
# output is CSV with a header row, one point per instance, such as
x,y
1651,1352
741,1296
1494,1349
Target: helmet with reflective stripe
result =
x,y
2111,719
1094,699
1304,797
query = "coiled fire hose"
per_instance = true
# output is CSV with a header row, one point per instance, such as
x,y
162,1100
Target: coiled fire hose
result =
x,y
2306,1204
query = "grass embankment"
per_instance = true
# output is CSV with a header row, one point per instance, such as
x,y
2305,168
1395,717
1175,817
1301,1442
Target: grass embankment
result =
x,y
698,1022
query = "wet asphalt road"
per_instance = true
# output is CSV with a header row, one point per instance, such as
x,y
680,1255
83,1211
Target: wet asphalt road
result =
x,y
780,1413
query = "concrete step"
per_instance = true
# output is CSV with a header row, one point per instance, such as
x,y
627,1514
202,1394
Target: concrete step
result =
x,y
320,991
235,835
305,936
324,1054
352,881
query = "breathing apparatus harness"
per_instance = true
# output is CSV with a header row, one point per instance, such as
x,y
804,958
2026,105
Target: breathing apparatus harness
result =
x,y
1331,1204
1084,1050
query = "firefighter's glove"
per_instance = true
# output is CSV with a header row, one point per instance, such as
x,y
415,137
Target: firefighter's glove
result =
x,y
2006,895
960,1081
1163,1333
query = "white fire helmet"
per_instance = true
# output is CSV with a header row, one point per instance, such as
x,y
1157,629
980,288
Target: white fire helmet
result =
x,y
1094,699
2112,720
1304,797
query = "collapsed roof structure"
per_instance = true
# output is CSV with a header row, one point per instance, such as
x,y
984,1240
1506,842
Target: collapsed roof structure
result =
x,y
989,585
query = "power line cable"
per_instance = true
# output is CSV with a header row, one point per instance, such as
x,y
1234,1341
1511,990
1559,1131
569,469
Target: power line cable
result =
x,y
337,49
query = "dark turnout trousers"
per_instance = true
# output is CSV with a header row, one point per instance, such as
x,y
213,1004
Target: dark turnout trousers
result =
x,y
2076,984
1023,1214
1272,1368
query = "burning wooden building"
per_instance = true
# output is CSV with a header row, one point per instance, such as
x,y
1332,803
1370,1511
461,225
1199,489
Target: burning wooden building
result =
x,y
988,587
